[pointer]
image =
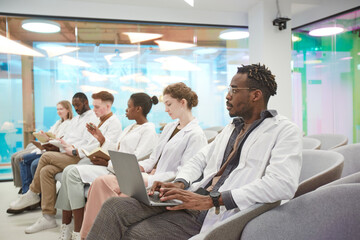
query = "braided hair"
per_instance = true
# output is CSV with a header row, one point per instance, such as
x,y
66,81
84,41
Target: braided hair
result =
x,y
260,77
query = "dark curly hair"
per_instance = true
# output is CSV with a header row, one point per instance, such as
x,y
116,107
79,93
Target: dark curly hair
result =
x,y
260,77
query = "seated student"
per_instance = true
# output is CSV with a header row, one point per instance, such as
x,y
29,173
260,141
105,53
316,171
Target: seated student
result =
x,y
31,152
16,158
139,138
52,163
255,159
30,160
178,141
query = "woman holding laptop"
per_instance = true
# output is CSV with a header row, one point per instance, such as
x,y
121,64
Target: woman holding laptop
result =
x,y
178,142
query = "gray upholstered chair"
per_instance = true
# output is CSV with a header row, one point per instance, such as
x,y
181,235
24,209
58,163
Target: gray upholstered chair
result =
x,y
216,128
210,135
330,141
330,212
319,168
352,178
232,227
351,155
311,143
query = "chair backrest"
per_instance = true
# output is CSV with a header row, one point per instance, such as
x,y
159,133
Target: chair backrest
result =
x,y
330,141
216,128
327,213
351,155
319,168
352,178
311,143
210,135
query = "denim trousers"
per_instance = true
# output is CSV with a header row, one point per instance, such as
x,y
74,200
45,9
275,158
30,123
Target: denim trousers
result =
x,y
27,169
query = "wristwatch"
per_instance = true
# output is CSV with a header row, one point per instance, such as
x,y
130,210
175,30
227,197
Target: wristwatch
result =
x,y
215,198
74,152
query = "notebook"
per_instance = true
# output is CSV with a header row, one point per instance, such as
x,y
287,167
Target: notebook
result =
x,y
130,180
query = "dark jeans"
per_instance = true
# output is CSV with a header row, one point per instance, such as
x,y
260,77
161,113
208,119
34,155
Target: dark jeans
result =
x,y
27,169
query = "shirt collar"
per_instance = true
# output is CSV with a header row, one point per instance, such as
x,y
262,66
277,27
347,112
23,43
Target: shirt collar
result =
x,y
264,114
268,113
238,121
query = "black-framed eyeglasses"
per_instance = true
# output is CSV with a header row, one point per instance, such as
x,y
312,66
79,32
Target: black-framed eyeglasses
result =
x,y
234,90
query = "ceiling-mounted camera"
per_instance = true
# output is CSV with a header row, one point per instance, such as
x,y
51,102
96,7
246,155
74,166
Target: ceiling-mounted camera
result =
x,y
281,22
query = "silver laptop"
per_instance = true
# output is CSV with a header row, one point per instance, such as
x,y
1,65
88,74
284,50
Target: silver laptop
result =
x,y
130,180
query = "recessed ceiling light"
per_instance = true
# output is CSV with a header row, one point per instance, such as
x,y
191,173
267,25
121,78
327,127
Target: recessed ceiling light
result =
x,y
73,61
190,2
295,38
169,45
12,47
326,31
40,26
136,37
123,56
312,61
175,63
233,34
204,51
54,50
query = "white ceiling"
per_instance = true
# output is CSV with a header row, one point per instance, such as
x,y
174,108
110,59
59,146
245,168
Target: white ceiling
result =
x,y
230,6
214,12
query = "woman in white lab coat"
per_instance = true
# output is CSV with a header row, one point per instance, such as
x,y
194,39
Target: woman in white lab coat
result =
x,y
30,161
179,141
139,138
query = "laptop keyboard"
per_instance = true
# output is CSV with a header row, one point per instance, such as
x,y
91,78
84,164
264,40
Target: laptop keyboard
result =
x,y
155,198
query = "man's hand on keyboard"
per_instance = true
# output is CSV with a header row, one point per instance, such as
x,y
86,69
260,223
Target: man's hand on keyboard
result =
x,y
159,185
190,200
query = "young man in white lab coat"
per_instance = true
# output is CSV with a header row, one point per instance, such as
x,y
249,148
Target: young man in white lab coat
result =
x,y
255,159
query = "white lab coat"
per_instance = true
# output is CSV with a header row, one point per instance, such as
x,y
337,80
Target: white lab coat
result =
x,y
111,129
139,141
78,134
174,153
277,141
59,129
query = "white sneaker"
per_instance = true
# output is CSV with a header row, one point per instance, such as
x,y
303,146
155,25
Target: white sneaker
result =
x,y
75,236
24,201
41,224
65,231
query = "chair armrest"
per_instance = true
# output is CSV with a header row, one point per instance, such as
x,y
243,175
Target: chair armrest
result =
x,y
232,227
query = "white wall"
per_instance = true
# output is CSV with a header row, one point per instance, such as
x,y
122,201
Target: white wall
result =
x,y
110,10
272,47
313,10
233,12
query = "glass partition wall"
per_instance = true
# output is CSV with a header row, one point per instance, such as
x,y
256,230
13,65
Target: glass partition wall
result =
x,y
326,76
39,69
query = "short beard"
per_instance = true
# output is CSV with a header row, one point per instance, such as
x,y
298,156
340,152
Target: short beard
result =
x,y
244,114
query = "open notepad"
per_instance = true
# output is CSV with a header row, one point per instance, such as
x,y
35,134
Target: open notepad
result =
x,y
42,138
97,152
53,142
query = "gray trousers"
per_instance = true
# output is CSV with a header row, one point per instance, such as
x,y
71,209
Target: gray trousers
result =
x,y
71,194
16,158
127,218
